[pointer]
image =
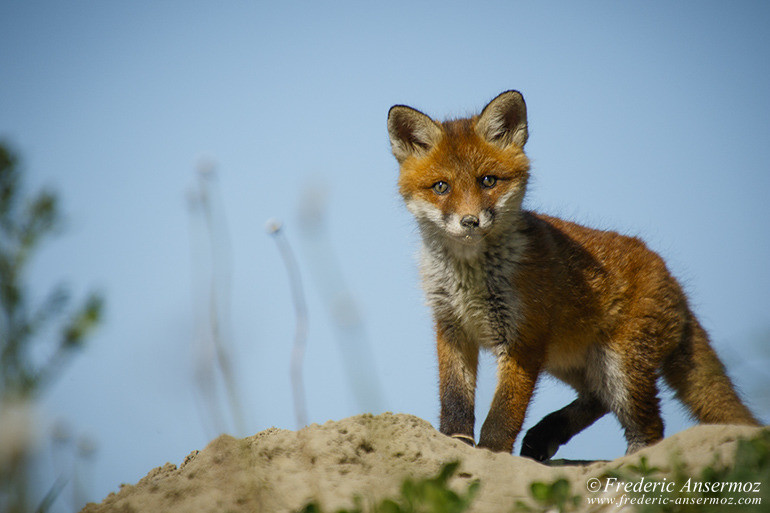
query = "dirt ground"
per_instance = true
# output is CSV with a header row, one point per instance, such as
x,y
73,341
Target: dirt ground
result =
x,y
280,470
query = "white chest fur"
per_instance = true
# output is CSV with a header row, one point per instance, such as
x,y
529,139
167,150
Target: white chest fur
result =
x,y
472,297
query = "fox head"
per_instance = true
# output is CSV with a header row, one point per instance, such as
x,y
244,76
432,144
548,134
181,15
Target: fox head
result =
x,y
464,179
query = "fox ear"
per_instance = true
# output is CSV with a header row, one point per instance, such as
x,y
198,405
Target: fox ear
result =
x,y
504,120
411,132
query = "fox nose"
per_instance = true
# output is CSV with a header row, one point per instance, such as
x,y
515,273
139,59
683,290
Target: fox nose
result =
x,y
469,221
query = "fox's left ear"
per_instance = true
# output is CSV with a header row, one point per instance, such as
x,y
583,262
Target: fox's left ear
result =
x,y
504,120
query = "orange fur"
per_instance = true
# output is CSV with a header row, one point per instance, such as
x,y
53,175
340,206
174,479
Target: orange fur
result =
x,y
596,309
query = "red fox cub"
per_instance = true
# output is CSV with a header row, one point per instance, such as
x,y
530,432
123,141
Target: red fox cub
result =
x,y
596,309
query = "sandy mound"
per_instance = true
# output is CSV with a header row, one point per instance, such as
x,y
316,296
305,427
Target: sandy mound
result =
x,y
280,471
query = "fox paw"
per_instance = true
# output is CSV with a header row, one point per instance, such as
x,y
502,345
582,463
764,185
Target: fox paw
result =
x,y
538,447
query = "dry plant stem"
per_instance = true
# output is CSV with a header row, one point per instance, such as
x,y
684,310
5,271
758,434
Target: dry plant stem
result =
x,y
300,333
355,351
220,344
209,409
219,245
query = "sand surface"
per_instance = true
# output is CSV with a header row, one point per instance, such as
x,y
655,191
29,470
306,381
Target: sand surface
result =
x,y
280,470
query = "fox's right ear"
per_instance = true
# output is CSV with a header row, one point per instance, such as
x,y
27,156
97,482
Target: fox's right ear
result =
x,y
411,132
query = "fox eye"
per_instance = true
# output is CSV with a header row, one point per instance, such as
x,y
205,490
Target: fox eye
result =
x,y
440,187
488,181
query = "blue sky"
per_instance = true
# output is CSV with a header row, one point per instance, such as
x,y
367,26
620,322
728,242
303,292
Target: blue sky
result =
x,y
650,118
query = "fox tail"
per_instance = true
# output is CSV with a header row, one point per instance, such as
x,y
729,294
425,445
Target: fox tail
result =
x,y
700,381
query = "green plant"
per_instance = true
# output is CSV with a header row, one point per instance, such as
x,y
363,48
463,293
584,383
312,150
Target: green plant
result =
x,y
556,496
643,468
715,489
29,359
745,483
24,223
427,495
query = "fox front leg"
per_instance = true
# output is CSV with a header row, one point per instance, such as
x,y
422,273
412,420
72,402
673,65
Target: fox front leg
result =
x,y
457,366
517,375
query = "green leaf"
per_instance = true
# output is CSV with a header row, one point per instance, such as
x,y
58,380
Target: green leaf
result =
x,y
83,322
311,508
9,182
560,490
389,506
447,471
540,491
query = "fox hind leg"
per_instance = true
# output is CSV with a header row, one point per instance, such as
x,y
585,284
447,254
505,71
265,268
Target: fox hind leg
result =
x,y
543,439
640,416
626,384
630,390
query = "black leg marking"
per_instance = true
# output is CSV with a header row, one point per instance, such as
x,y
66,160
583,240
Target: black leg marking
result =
x,y
543,440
